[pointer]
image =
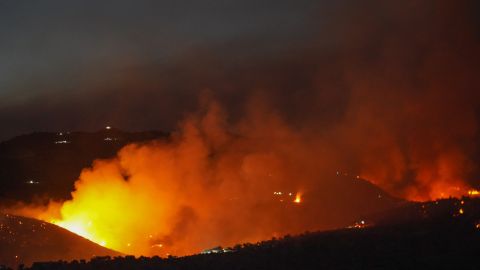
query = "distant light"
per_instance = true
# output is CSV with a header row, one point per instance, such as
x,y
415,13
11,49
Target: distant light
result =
x,y
359,225
108,127
32,182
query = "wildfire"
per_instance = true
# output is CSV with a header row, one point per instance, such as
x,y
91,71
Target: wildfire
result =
x,y
82,228
77,227
443,192
175,197
287,197
359,225
298,198
473,192
197,189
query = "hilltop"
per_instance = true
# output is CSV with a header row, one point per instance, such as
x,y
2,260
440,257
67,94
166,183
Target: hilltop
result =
x,y
46,164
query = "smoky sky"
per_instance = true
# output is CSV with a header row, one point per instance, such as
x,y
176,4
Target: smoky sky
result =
x,y
67,65
136,65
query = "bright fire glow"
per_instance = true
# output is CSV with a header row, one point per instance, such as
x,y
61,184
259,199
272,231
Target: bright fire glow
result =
x,y
298,198
76,227
198,189
473,192
190,193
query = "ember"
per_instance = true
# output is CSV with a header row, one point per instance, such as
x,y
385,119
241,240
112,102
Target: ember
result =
x,y
298,198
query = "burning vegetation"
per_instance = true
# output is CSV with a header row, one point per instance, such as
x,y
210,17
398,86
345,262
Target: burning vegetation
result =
x,y
203,187
211,183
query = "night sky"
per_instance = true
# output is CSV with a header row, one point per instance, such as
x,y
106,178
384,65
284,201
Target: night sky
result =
x,y
136,65
83,64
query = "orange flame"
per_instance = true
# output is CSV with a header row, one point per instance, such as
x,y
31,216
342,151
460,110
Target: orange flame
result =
x,y
189,194
298,198
473,192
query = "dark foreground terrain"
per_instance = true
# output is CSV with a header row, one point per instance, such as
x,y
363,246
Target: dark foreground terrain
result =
x,y
443,234
25,240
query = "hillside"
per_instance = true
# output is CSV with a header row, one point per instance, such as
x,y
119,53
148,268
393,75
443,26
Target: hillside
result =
x,y
46,165
25,240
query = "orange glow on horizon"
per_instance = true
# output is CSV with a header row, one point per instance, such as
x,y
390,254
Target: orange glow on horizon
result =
x,y
473,192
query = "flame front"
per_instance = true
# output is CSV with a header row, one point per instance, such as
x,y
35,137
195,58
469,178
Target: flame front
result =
x,y
78,227
473,192
298,198
105,210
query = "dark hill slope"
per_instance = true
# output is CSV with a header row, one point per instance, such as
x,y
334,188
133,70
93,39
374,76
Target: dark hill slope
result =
x,y
47,164
25,240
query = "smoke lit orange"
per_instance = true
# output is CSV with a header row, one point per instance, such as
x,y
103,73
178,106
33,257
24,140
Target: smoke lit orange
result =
x,y
206,185
183,196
